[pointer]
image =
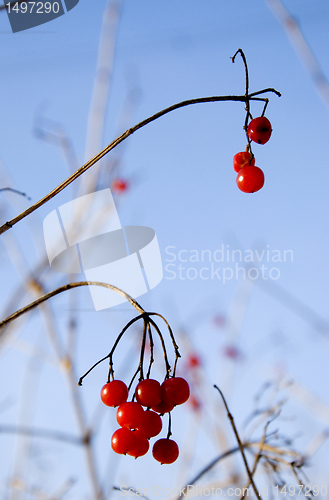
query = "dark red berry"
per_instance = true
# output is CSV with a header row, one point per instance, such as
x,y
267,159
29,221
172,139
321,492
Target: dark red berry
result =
x,y
165,451
163,407
150,425
148,392
175,391
141,445
259,130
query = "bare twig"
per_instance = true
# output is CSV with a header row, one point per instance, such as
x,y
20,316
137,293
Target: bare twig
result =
x,y
257,459
240,444
63,288
9,224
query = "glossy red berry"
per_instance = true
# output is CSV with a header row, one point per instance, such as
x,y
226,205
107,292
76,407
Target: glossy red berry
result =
x,y
148,392
114,393
123,440
242,159
150,425
259,130
165,451
163,407
130,415
175,391
141,445
250,179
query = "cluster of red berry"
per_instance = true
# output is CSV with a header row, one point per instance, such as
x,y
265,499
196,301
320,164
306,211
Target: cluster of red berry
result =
x,y
251,178
139,425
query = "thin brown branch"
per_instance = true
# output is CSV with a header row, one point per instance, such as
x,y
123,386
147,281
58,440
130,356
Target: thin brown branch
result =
x,y
63,288
9,224
300,482
240,444
257,459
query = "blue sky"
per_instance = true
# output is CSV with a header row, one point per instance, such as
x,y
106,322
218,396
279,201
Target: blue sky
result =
x,y
183,186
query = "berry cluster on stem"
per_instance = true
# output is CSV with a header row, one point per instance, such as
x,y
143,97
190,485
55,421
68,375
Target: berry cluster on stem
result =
x,y
251,178
141,418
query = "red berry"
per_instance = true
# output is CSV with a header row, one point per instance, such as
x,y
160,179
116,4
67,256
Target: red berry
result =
x,y
163,407
130,415
175,391
259,130
119,185
123,440
250,179
114,393
148,392
150,425
165,451
194,361
141,445
242,159
195,403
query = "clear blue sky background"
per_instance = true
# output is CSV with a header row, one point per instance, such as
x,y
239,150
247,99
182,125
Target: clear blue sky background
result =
x,y
183,186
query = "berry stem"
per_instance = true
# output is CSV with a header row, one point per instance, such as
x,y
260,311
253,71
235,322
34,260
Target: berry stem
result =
x,y
169,426
265,106
141,359
132,381
247,107
240,51
152,350
111,371
171,333
168,367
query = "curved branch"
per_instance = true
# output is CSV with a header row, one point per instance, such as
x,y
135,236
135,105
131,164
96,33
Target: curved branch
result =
x,y
63,288
112,145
